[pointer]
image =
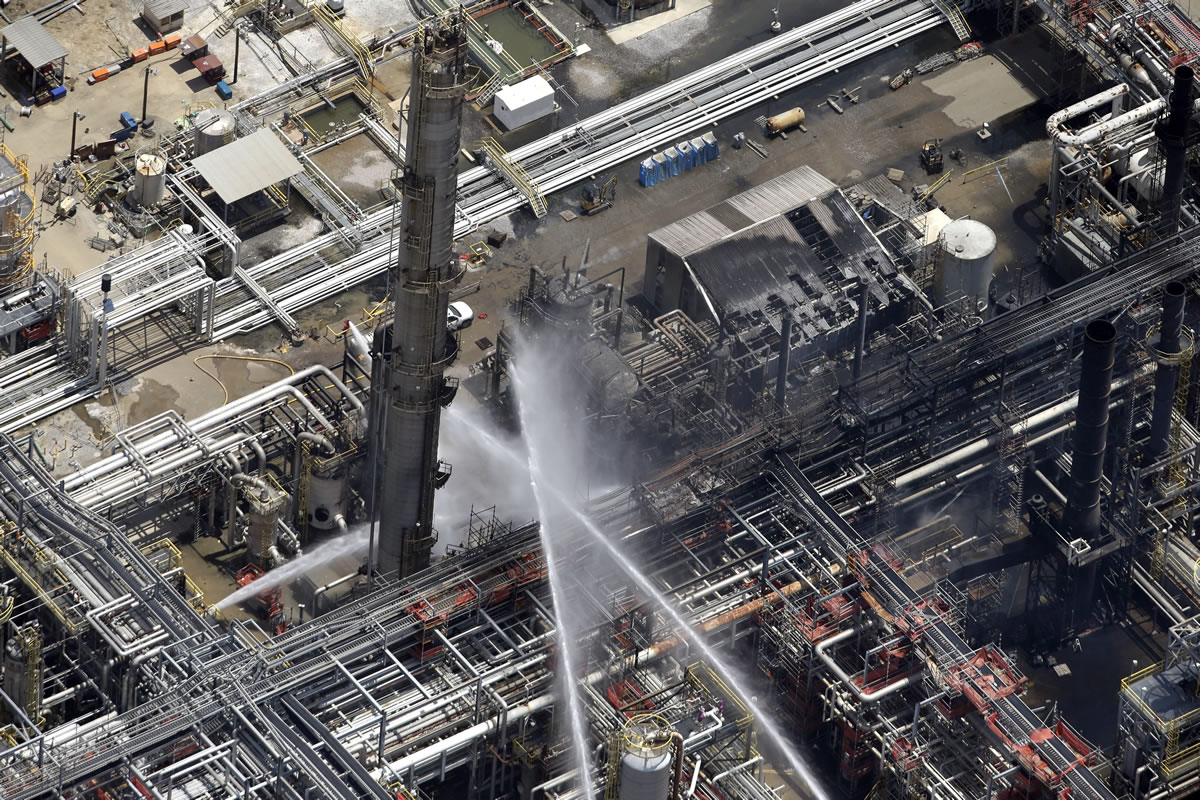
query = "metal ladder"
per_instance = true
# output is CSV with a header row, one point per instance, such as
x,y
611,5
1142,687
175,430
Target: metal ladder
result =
x,y
956,19
515,174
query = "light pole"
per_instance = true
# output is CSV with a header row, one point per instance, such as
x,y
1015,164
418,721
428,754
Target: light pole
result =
x,y
776,25
146,91
75,117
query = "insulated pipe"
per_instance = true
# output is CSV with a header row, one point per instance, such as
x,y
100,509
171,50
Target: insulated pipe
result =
x,y
318,439
250,402
745,765
1091,429
983,445
863,696
1166,380
1172,136
691,792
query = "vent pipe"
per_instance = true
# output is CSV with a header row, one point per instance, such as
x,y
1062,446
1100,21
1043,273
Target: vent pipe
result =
x,y
1091,429
1172,137
785,360
1166,380
864,302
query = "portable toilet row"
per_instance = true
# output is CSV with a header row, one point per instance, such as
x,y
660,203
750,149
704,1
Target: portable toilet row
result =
x,y
680,158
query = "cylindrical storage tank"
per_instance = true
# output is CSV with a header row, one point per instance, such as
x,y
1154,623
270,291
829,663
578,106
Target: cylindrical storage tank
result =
x,y
646,759
786,121
326,500
610,382
15,241
215,127
965,267
566,305
150,178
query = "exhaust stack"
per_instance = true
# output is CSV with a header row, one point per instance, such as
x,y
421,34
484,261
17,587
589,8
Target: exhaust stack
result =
x,y
1173,138
1091,429
1166,379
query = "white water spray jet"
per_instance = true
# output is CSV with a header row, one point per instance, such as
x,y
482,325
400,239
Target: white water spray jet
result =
x,y
350,543
548,424
722,667
542,478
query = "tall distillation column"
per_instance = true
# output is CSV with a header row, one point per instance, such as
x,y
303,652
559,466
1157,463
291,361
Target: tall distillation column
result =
x,y
422,278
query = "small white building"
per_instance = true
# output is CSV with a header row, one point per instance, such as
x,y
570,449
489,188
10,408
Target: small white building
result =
x,y
524,102
164,16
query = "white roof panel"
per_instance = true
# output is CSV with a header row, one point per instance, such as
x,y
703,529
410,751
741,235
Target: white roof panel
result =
x,y
33,42
247,165
527,91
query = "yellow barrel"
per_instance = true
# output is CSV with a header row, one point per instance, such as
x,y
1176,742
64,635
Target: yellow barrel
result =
x,y
786,120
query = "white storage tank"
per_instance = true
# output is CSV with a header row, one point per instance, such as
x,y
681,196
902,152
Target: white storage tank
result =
x,y
215,127
326,500
524,102
968,255
646,760
149,177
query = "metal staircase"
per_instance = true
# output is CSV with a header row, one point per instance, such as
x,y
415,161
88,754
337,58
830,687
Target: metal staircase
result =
x,y
497,158
956,19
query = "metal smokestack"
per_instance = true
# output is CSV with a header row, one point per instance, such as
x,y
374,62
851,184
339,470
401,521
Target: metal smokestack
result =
x,y
422,278
785,360
860,345
1166,379
1091,429
1172,137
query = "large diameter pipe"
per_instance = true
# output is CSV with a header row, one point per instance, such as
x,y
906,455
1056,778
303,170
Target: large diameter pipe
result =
x,y
1091,428
862,695
1172,136
1166,379
785,359
860,344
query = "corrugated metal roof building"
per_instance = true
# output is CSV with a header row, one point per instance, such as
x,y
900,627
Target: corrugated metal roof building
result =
x,y
35,44
793,245
164,15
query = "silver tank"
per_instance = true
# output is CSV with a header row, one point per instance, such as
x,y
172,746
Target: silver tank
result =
x,y
966,262
149,177
215,127
646,761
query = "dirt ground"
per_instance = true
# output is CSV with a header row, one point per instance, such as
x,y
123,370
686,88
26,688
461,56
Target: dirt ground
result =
x,y
884,129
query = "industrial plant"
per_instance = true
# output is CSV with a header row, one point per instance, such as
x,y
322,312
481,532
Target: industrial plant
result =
x,y
621,399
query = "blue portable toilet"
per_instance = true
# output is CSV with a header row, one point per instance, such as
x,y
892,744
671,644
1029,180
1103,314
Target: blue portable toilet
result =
x,y
699,152
672,156
711,151
127,120
646,173
662,170
687,156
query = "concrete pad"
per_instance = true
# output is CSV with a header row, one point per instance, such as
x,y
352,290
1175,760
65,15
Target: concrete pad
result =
x,y
983,90
655,21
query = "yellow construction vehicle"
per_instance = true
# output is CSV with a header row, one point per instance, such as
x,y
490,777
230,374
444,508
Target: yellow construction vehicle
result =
x,y
596,199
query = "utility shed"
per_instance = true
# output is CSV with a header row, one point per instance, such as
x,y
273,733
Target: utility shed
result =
x,y
524,102
247,165
36,47
164,16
